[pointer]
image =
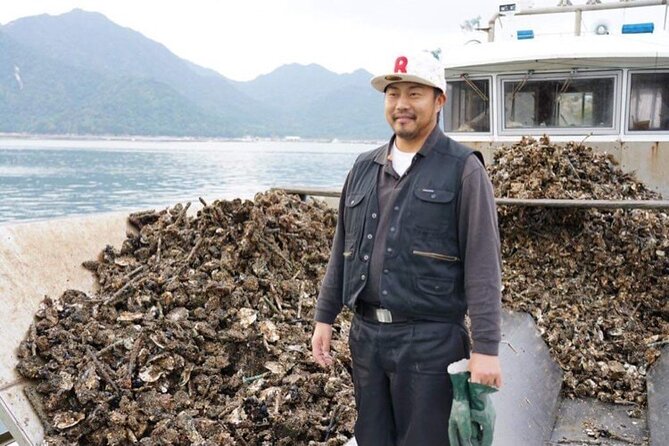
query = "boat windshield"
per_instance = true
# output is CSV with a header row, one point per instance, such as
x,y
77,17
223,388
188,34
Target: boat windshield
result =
x,y
559,103
649,102
467,106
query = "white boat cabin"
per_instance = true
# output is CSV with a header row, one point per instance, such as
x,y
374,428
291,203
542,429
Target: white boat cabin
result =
x,y
595,72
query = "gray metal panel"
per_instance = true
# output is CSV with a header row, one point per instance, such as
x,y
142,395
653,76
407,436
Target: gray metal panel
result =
x,y
589,420
17,413
657,383
527,404
38,259
5,436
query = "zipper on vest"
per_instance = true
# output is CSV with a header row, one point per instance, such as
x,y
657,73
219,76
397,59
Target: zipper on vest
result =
x,y
435,255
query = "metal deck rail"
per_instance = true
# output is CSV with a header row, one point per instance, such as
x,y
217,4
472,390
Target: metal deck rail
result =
x,y
304,192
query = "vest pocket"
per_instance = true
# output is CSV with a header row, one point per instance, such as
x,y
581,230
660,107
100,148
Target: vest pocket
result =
x,y
349,247
434,287
349,264
353,200
433,296
433,209
353,213
434,195
435,255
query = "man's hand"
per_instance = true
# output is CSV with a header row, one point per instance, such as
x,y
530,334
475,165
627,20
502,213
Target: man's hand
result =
x,y
320,344
485,369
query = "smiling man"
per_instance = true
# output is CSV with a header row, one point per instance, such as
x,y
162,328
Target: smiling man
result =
x,y
416,248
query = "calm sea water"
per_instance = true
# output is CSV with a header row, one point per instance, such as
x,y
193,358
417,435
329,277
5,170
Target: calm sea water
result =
x,y
44,179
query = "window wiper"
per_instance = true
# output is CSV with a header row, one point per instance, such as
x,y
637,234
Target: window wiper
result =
x,y
473,86
521,84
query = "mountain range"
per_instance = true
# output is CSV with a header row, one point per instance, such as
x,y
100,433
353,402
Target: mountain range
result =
x,y
81,74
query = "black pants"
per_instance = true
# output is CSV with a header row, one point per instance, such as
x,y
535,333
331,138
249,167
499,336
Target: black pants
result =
x,y
402,390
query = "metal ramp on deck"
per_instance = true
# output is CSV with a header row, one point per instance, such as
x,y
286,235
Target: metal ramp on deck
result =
x,y
588,421
38,259
658,400
527,404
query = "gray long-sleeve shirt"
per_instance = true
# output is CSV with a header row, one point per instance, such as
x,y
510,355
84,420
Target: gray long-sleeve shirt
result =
x,y
479,247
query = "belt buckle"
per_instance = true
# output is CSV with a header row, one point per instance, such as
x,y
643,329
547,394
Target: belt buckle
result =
x,y
384,316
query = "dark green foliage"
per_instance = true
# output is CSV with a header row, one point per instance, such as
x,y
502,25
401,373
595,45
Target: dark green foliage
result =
x,y
82,74
51,97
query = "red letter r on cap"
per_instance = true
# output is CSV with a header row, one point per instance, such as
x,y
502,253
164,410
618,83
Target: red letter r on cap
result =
x,y
401,64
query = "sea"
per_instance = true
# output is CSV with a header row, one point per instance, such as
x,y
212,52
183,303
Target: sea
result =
x,y
43,179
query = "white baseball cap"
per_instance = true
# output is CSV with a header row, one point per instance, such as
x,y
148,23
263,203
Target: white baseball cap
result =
x,y
422,68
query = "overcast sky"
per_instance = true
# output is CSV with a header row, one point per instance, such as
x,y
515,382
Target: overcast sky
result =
x,y
245,38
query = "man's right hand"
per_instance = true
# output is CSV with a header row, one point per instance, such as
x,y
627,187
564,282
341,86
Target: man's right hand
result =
x,y
320,344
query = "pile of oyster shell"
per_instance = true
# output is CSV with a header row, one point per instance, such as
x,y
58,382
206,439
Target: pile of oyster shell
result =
x,y
596,281
199,334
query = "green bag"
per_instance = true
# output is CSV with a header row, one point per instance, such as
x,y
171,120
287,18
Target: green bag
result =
x,y
472,420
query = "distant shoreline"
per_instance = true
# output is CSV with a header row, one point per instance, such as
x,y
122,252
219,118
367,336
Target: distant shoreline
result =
x,y
143,138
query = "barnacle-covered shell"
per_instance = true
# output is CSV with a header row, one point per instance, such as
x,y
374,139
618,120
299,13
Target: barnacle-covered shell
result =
x,y
275,367
269,331
65,420
247,317
128,316
152,373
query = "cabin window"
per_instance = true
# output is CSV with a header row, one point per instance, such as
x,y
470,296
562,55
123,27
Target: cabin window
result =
x,y
649,102
565,103
467,106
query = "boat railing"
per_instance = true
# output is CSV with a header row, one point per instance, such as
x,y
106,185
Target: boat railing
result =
x,y
565,7
305,191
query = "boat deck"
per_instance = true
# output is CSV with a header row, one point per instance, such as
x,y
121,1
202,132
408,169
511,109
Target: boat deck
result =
x,y
44,258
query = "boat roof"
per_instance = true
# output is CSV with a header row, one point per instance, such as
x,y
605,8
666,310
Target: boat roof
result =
x,y
560,53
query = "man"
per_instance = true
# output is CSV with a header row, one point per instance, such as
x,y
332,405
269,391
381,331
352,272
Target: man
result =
x,y
416,247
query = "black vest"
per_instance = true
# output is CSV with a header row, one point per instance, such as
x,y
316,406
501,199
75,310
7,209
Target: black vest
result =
x,y
423,274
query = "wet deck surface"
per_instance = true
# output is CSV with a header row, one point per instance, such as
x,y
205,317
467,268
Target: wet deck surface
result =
x,y
527,403
658,400
588,422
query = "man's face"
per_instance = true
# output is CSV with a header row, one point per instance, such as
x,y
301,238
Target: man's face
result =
x,y
411,109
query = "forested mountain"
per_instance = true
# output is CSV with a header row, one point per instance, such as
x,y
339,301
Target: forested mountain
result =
x,y
80,73
43,95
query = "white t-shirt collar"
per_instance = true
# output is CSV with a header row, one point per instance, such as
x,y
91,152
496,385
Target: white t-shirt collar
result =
x,y
401,160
